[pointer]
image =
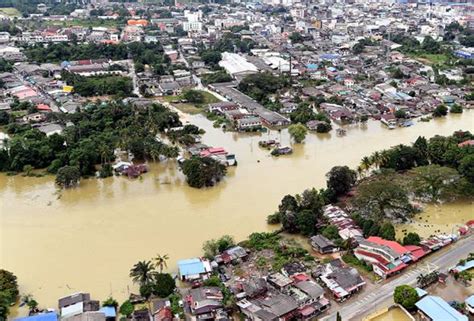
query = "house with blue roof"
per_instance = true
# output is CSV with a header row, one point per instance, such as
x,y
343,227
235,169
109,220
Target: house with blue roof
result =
x,y
194,269
110,313
466,266
50,316
435,308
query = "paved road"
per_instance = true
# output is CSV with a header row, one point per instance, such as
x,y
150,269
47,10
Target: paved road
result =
x,y
382,297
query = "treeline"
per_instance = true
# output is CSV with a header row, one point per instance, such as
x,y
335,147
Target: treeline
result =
x,y
142,53
440,168
98,130
260,86
99,85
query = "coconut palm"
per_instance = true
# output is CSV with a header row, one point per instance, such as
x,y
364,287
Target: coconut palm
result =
x,y
375,158
142,272
160,261
365,163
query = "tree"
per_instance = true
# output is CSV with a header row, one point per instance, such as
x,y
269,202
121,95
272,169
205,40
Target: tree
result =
x,y
434,181
306,222
297,132
213,247
203,172
411,238
194,96
401,114
8,292
296,37
340,179
331,232
110,302
383,197
142,272
456,109
406,296
430,45
160,261
466,167
164,285
440,111
387,231
68,176
127,308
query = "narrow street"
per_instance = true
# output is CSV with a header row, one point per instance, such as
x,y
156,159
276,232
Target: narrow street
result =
x,y
382,297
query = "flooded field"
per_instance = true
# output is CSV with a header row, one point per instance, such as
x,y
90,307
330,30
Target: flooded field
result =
x,y
86,239
436,218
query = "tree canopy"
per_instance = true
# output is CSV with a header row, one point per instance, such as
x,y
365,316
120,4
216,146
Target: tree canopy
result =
x,y
203,171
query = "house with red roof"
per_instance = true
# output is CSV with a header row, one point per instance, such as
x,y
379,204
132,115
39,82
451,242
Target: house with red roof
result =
x,y
387,257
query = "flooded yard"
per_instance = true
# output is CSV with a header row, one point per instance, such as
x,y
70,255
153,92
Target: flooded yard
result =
x,y
87,239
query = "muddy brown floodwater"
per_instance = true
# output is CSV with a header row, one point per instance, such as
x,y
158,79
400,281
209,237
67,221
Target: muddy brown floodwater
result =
x,y
86,239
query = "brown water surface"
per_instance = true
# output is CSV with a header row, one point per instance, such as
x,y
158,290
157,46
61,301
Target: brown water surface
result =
x,y
86,239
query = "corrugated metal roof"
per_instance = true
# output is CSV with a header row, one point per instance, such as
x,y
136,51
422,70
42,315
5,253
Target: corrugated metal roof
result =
x,y
439,310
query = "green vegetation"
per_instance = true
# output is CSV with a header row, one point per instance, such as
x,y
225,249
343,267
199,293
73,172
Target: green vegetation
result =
x,y
340,180
260,85
300,213
371,227
11,12
127,308
284,250
151,282
355,262
203,171
217,77
434,182
99,85
98,130
297,132
67,176
213,247
8,292
382,197
406,296
456,109
110,302
411,238
440,111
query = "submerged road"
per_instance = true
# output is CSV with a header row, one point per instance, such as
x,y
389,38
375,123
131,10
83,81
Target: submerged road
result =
x,y
383,296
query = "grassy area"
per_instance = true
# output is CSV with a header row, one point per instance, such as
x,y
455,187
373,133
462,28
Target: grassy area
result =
x,y
11,12
432,59
109,23
191,108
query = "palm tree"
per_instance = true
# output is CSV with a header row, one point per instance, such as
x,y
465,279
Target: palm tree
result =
x,y
376,159
142,272
365,163
160,261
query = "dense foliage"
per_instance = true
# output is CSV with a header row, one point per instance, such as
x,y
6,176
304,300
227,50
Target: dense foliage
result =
x,y
98,130
297,132
99,85
260,85
300,213
213,247
203,172
406,296
340,179
8,292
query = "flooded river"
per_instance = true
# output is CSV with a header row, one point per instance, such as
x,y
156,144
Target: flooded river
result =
x,y
86,239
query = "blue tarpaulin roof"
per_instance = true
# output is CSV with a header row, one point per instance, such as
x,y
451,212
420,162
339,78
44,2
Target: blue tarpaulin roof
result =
x,y
51,316
421,292
312,66
109,312
439,310
191,267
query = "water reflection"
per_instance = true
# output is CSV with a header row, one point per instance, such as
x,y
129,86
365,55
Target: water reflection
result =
x,y
89,237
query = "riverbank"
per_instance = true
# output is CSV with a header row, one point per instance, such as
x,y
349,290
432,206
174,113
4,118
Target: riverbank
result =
x,y
86,239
